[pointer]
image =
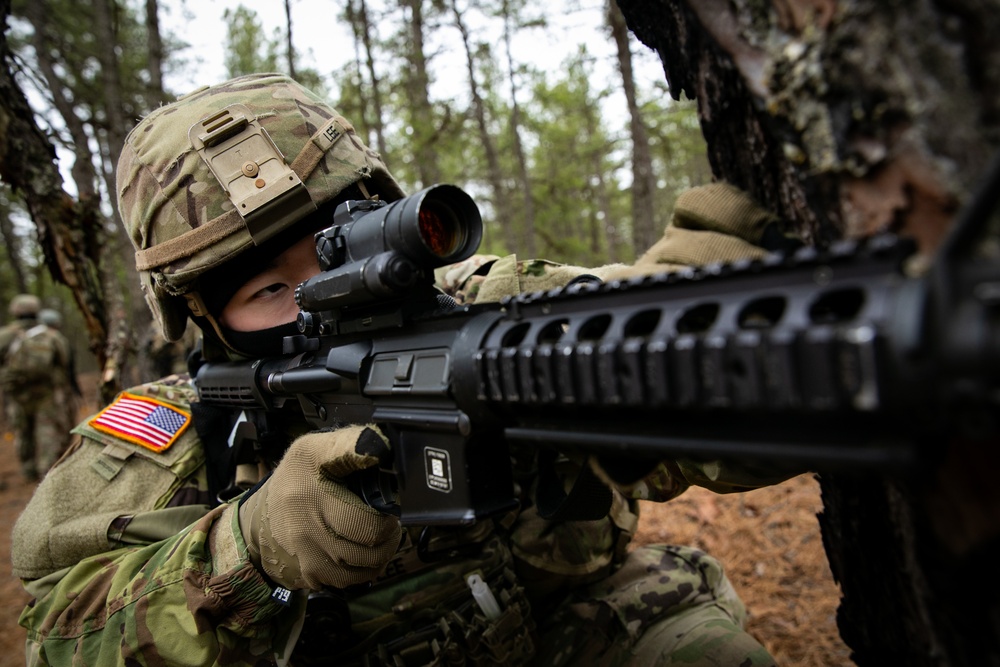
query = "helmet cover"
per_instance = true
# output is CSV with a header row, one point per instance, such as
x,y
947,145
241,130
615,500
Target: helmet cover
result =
x,y
25,305
181,218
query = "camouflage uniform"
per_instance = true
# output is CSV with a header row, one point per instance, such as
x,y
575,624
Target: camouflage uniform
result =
x,y
130,559
40,411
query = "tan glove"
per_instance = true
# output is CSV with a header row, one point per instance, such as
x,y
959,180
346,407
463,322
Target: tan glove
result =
x,y
711,223
305,529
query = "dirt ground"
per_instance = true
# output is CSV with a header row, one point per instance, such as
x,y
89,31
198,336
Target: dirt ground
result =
x,y
768,540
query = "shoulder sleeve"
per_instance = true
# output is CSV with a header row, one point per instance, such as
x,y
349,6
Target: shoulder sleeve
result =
x,y
509,276
180,601
109,474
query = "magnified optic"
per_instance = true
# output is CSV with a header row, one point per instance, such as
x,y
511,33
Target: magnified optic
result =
x,y
440,231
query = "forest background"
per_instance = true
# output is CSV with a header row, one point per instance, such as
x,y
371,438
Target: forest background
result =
x,y
551,115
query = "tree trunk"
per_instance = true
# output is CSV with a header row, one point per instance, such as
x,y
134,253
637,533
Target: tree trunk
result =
x,y
369,95
527,244
289,51
422,114
155,96
645,230
132,318
378,122
850,118
65,226
83,172
493,171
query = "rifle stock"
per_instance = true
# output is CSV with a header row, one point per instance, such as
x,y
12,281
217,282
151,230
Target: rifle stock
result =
x,y
814,360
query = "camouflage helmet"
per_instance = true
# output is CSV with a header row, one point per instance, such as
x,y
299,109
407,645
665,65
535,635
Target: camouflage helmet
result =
x,y
222,170
25,305
50,317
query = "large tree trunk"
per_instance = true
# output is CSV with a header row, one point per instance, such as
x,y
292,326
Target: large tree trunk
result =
x,y
849,118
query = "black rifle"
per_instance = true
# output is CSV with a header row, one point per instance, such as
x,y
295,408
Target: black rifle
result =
x,y
815,359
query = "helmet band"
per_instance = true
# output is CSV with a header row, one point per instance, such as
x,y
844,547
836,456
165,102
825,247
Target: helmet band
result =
x,y
231,221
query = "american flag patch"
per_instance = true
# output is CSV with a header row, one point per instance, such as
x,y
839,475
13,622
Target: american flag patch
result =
x,y
142,420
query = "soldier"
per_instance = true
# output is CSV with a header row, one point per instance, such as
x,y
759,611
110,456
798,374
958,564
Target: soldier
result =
x,y
38,379
23,310
131,557
66,392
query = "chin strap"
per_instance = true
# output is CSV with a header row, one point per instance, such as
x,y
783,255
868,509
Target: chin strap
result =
x,y
200,311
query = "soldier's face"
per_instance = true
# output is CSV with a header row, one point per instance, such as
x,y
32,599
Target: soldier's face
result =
x,y
268,299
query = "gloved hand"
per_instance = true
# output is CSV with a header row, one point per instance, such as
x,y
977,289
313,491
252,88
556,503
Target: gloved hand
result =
x,y
710,223
305,529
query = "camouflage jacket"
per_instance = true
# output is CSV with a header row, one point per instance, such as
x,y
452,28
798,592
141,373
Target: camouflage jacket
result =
x,y
122,534
129,562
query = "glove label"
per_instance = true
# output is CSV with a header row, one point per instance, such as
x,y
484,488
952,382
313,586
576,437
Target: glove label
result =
x,y
437,465
282,596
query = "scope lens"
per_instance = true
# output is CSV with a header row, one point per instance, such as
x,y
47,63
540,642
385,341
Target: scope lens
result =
x,y
439,229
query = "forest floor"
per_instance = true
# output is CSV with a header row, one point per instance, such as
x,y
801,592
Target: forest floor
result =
x,y
768,540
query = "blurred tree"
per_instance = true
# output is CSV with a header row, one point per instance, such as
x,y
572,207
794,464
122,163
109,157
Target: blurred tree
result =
x,y
494,173
155,55
574,168
511,12
248,49
423,129
645,221
289,51
17,281
368,91
95,107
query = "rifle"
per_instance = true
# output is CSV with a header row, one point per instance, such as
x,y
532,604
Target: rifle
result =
x,y
814,359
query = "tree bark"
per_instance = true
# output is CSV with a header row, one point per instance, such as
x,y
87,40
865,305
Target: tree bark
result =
x,y
850,118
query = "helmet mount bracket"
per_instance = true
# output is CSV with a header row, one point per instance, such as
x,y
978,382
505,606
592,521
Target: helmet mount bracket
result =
x,y
241,155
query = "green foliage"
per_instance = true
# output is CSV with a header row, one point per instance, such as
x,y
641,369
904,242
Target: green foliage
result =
x,y
678,147
578,157
575,166
248,48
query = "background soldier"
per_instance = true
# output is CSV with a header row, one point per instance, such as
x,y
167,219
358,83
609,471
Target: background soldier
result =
x,y
38,381
131,557
23,310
